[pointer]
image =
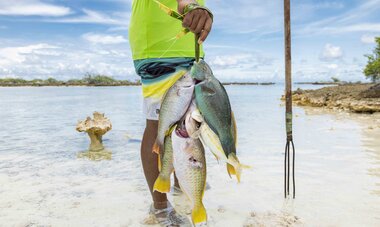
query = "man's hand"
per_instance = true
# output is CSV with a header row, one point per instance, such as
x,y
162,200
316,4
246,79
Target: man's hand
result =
x,y
198,21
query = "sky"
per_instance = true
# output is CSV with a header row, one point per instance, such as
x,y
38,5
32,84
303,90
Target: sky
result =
x,y
66,39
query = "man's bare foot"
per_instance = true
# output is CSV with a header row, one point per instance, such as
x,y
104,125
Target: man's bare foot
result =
x,y
166,217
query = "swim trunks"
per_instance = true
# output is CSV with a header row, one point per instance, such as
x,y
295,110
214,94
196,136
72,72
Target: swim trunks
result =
x,y
157,76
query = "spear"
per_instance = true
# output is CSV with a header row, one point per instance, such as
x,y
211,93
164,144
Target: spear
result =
x,y
288,99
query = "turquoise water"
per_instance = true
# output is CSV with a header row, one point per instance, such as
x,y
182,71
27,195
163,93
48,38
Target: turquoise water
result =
x,y
43,183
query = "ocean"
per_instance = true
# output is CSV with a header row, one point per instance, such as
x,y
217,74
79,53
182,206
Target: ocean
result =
x,y
44,183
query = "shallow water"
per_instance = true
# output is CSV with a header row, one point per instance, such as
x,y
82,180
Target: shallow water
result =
x,y
42,182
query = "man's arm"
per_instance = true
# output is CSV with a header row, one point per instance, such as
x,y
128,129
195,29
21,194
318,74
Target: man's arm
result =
x,y
198,21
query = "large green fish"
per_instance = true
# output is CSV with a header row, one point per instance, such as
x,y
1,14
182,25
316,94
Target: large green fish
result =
x,y
162,183
190,167
174,105
213,103
196,125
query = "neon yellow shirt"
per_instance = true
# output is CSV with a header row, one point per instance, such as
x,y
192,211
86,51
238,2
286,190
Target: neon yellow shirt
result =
x,y
152,32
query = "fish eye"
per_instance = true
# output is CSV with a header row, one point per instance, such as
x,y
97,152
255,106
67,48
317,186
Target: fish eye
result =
x,y
197,124
192,159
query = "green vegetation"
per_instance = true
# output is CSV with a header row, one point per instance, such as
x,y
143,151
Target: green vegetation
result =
x,y
372,70
335,80
87,80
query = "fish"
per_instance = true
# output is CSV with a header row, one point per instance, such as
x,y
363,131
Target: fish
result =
x,y
191,125
162,183
190,167
200,71
211,140
214,105
174,105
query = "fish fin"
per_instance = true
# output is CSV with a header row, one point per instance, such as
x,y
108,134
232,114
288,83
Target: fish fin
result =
x,y
156,148
216,157
171,128
161,184
199,215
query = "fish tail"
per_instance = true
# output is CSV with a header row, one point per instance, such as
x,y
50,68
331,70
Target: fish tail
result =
x,y
162,184
236,167
230,169
199,215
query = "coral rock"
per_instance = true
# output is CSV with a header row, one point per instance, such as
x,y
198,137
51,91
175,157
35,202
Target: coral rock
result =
x,y
95,129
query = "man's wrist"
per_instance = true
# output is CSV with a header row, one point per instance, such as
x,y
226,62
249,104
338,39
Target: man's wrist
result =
x,y
183,3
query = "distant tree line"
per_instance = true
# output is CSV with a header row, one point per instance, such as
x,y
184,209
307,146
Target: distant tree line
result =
x,y
372,69
87,80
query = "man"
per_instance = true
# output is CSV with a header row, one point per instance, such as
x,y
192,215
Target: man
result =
x,y
160,60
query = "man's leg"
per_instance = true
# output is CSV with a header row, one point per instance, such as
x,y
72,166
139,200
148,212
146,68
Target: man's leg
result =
x,y
150,163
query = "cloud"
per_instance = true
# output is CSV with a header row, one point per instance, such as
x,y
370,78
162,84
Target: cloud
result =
x,y
331,52
94,17
66,61
248,66
231,60
32,8
247,16
16,55
367,39
332,66
104,39
354,20
366,27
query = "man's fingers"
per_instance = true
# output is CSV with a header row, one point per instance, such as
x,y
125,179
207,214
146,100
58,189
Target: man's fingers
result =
x,y
194,23
206,30
188,20
203,36
201,23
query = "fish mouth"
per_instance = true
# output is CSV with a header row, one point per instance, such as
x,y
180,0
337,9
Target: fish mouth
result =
x,y
182,133
197,81
188,86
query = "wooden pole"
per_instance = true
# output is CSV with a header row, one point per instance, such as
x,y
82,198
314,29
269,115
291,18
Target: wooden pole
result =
x,y
288,99
288,71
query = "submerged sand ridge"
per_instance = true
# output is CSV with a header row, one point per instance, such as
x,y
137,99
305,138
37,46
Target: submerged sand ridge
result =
x,y
357,98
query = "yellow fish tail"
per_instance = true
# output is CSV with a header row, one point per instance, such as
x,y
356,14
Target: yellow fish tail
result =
x,y
230,169
162,184
235,168
199,215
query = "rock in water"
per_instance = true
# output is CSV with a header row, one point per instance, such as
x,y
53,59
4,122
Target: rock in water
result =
x,y
95,128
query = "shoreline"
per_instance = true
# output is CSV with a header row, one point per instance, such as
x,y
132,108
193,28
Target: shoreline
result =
x,y
118,85
356,98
